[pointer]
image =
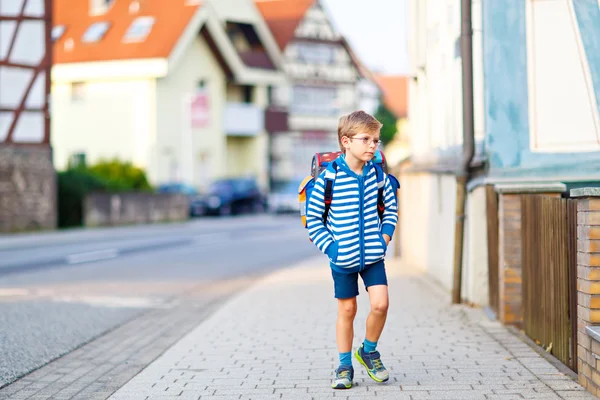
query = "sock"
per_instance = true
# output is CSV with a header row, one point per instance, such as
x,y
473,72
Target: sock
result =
x,y
346,359
369,346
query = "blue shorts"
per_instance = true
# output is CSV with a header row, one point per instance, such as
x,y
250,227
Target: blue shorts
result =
x,y
346,285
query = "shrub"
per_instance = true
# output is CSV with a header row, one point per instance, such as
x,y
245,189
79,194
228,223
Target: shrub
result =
x,y
76,183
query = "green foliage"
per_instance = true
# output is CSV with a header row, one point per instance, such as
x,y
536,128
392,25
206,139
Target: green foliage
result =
x,y
120,176
387,118
73,186
76,183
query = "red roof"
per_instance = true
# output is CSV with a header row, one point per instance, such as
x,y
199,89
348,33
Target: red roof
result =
x,y
395,93
283,17
169,24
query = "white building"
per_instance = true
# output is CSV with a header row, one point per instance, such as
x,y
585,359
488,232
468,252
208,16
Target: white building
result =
x,y
327,81
179,90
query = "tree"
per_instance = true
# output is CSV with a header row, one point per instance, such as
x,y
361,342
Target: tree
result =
x,y
387,118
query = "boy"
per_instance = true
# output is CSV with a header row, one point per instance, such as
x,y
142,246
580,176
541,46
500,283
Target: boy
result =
x,y
355,240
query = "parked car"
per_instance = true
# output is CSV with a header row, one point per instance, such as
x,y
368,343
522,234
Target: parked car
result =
x,y
284,199
230,196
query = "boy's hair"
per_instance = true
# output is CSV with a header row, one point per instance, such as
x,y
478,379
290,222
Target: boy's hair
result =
x,y
358,121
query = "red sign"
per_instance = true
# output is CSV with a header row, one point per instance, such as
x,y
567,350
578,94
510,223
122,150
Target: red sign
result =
x,y
199,109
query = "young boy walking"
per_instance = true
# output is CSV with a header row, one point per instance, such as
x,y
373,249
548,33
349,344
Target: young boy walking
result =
x,y
355,239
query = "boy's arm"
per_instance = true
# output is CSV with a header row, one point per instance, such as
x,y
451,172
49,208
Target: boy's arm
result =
x,y
317,231
390,214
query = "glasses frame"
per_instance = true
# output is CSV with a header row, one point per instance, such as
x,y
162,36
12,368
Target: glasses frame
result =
x,y
367,141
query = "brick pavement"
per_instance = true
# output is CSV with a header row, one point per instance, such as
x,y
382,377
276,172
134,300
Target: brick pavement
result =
x,y
276,340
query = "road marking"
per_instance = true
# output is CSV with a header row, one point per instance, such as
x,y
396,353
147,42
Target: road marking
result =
x,y
92,256
112,301
13,292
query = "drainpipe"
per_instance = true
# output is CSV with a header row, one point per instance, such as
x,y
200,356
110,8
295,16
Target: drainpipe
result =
x,y
462,175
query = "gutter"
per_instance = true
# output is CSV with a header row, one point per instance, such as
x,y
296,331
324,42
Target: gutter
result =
x,y
463,173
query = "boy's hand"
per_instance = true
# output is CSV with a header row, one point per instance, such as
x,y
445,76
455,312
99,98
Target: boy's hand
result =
x,y
387,239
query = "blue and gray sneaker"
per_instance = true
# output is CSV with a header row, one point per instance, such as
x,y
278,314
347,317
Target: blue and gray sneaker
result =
x,y
343,377
373,364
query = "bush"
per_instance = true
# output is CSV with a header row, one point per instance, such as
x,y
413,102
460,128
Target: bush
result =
x,y
75,184
121,176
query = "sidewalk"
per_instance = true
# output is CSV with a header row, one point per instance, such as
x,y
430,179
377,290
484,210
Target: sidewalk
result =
x,y
277,341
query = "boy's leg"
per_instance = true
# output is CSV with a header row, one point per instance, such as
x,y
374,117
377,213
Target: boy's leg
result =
x,y
346,290
344,332
375,280
378,296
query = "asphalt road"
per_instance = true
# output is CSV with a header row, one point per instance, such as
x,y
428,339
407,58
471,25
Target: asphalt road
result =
x,y
60,290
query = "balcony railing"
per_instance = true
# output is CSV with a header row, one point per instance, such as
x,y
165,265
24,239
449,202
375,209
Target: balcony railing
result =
x,y
243,119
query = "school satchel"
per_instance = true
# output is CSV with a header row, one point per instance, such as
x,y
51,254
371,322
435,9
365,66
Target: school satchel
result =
x,y
327,162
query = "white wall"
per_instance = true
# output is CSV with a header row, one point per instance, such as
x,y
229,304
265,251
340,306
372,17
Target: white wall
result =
x,y
195,154
563,111
475,261
435,112
427,211
104,119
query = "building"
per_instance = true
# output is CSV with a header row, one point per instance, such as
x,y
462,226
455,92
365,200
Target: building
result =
x,y
27,176
428,206
326,82
536,103
180,91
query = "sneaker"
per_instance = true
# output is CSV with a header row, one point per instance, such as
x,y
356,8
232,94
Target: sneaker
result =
x,y
343,377
373,364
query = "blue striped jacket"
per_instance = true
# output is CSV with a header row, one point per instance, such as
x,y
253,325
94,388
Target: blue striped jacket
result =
x,y
352,235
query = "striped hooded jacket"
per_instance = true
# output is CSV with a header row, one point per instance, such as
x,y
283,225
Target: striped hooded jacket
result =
x,y
352,235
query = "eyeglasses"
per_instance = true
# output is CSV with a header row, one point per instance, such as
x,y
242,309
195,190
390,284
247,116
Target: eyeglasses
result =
x,y
366,141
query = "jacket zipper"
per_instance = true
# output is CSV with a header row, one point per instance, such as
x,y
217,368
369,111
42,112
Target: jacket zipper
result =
x,y
361,195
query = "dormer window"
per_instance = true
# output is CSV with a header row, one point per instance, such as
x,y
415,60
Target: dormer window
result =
x,y
57,32
139,29
95,32
99,7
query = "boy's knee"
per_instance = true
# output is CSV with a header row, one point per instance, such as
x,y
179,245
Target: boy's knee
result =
x,y
348,309
380,307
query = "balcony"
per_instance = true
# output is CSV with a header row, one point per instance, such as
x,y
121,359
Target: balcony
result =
x,y
243,119
276,119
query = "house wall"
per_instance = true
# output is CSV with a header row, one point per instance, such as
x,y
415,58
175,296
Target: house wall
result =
x,y
435,130
542,87
104,119
195,154
435,92
475,254
427,219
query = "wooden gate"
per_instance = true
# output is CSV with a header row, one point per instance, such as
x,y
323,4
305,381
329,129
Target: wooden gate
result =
x,y
549,271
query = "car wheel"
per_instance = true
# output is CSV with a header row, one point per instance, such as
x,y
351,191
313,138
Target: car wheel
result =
x,y
225,210
258,207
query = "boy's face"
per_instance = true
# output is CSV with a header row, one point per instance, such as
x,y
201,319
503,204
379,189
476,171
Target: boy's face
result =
x,y
362,146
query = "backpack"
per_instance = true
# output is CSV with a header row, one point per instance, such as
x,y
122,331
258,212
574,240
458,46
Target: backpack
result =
x,y
326,161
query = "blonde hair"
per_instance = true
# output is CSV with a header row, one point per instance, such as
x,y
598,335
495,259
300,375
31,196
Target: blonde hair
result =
x,y
357,122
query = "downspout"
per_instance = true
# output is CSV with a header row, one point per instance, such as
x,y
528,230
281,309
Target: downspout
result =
x,y
462,175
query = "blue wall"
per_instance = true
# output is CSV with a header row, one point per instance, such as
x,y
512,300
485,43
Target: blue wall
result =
x,y
506,97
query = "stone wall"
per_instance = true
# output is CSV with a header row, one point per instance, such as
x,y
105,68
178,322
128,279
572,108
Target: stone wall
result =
x,y
27,188
106,209
509,219
588,289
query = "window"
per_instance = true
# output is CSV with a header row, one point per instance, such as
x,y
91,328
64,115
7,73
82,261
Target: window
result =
x,y
57,32
139,29
98,7
315,53
247,94
314,100
95,32
77,91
